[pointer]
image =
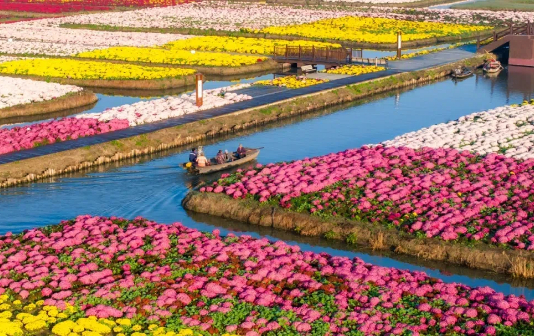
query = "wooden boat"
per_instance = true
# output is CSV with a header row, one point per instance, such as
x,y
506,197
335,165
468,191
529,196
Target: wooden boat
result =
x,y
252,153
464,74
492,66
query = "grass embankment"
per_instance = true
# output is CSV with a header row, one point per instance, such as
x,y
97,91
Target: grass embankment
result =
x,y
68,101
497,5
478,255
348,44
77,159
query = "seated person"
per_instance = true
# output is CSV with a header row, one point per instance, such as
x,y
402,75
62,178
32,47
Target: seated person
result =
x,y
241,151
193,156
202,161
227,156
220,157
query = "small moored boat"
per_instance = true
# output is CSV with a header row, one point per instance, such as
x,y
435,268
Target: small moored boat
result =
x,y
460,74
492,66
251,154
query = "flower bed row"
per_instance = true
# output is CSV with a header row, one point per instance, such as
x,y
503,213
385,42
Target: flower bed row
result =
x,y
292,82
439,193
100,3
507,130
88,124
372,30
355,70
106,276
235,16
172,56
50,8
44,133
16,91
44,37
75,69
241,44
169,107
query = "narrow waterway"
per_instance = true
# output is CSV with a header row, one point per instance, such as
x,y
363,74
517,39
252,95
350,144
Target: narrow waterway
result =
x,y
452,3
153,187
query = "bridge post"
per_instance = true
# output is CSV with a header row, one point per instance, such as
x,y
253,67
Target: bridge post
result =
x,y
511,28
478,42
494,36
286,51
313,53
399,44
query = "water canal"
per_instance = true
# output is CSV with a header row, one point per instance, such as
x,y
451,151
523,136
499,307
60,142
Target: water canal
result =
x,y
153,187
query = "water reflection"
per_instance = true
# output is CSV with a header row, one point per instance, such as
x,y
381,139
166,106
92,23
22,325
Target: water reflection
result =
x,y
154,186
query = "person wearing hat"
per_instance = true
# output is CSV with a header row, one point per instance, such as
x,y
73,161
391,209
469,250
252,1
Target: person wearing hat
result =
x,y
241,151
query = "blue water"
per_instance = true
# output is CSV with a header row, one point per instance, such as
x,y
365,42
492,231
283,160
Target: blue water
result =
x,y
154,187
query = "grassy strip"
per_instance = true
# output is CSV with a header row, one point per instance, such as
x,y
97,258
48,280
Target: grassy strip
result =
x,y
68,101
476,255
213,32
77,159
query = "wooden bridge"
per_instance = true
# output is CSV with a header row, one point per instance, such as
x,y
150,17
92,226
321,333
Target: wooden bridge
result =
x,y
314,55
519,38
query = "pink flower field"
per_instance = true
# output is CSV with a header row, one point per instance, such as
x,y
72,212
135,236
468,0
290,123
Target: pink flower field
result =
x,y
442,193
19,138
140,275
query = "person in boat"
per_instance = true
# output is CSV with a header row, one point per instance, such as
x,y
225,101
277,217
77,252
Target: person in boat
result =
x,y
193,155
241,152
219,158
202,161
227,156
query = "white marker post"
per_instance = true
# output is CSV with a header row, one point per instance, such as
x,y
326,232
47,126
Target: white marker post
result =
x,y
199,90
399,44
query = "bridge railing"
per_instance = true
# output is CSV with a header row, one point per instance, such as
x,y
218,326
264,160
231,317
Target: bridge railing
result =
x,y
314,54
525,29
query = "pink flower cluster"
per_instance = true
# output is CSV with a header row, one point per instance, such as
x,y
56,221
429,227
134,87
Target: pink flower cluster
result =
x,y
19,138
439,192
112,267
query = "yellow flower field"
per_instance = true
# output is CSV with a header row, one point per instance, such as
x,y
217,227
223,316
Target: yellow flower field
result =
x,y
372,30
243,45
18,318
291,82
171,56
75,69
355,70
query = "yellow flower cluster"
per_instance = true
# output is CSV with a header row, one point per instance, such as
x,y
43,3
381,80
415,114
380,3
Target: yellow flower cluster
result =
x,y
75,69
292,82
243,45
17,319
372,30
355,70
171,56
